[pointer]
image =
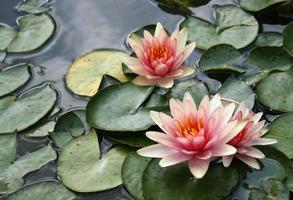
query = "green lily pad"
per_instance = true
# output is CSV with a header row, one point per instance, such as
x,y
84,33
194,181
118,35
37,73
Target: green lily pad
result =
x,y
220,57
282,130
252,79
35,104
289,181
132,172
275,91
7,34
13,78
252,5
46,190
197,90
117,108
288,41
33,6
133,140
269,39
33,32
85,74
172,182
233,26
12,175
285,10
81,170
42,130
7,150
2,55
238,90
269,59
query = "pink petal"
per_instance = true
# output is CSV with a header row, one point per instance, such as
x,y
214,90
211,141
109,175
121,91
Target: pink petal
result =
x,y
176,73
204,155
227,160
252,162
161,138
176,110
198,167
187,50
189,105
215,102
198,142
263,141
159,30
134,65
231,134
166,82
168,124
161,69
223,150
147,36
156,118
155,151
183,34
254,152
173,159
257,117
142,80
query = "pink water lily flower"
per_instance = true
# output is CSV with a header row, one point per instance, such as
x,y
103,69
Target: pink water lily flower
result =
x,y
197,135
160,57
249,136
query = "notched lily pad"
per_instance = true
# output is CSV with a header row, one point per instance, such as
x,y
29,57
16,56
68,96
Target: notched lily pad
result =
x,y
13,78
233,26
36,104
288,40
85,74
81,170
269,39
252,5
118,108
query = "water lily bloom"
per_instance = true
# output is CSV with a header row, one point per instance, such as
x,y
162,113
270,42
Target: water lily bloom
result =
x,y
160,57
197,135
249,136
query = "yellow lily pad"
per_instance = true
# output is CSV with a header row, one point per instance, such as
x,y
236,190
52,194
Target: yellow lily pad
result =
x,y
85,74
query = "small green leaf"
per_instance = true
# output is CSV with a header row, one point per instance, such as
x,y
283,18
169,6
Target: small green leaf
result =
x,y
7,34
288,41
41,130
133,140
289,181
269,39
33,6
252,5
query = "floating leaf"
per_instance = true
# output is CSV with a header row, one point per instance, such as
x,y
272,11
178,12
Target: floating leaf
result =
x,y
275,91
45,190
172,182
12,175
85,74
42,130
7,150
269,39
81,170
239,91
282,130
252,5
233,26
7,34
289,182
33,6
220,57
132,171
133,140
285,10
2,55
288,41
12,78
117,108
35,104
269,58
33,32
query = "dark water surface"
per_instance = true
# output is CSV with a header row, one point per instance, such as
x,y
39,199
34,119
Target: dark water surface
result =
x,y
83,26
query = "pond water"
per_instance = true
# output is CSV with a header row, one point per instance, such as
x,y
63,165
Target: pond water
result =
x,y
83,26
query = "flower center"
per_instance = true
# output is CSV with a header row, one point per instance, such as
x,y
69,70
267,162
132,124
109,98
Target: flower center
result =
x,y
189,127
158,52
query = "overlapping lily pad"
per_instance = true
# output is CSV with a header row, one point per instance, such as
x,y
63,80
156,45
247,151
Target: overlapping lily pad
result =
x,y
220,57
85,74
41,131
34,6
81,170
268,59
45,190
233,26
132,172
33,32
2,55
288,41
35,104
118,108
133,140
11,174
171,183
252,5
275,91
7,34
282,130
269,39
12,78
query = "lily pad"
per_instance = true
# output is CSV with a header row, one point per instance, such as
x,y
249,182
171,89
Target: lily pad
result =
x,y
81,170
33,6
33,32
12,175
7,150
269,39
133,140
118,108
85,74
233,26
288,41
42,130
252,5
46,190
2,55
275,91
171,183
36,104
289,181
282,130
220,57
238,90
7,34
132,172
269,58
13,78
